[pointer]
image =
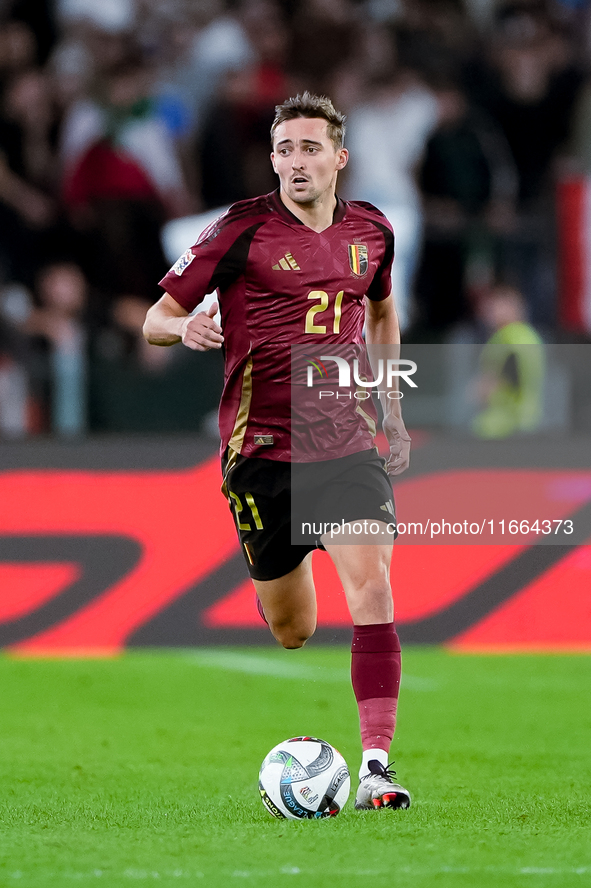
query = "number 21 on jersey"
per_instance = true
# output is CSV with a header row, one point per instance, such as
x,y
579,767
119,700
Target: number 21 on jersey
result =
x,y
322,295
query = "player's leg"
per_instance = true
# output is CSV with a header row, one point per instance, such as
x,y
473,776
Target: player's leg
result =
x,y
258,492
364,570
289,604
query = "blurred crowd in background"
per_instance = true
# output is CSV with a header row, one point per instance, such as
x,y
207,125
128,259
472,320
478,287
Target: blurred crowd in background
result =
x,y
120,115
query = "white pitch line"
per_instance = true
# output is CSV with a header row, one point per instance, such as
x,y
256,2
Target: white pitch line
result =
x,y
426,871
255,664
155,875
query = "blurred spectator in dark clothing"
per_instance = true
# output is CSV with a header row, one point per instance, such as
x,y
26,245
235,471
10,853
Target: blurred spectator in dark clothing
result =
x,y
435,37
29,214
234,146
39,16
469,185
579,149
323,36
30,128
18,49
529,87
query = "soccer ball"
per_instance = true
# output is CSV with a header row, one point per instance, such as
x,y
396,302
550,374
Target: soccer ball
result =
x,y
304,778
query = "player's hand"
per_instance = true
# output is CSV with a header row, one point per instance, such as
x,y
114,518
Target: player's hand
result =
x,y
200,332
399,441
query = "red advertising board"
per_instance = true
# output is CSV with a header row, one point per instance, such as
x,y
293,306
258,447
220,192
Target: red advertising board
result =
x,y
143,553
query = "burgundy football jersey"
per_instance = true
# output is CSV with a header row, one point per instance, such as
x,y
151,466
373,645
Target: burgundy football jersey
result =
x,y
281,284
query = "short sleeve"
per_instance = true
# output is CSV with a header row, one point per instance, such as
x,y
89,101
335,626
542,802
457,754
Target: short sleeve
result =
x,y
215,261
381,285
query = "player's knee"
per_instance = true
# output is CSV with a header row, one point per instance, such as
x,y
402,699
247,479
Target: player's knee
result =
x,y
372,599
374,589
292,636
292,642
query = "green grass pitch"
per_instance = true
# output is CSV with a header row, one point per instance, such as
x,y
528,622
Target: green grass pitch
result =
x,y
143,770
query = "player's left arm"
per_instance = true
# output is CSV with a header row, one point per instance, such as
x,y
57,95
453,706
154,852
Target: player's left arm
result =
x,y
382,329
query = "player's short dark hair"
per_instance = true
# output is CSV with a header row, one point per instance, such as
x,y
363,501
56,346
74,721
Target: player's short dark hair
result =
x,y
308,105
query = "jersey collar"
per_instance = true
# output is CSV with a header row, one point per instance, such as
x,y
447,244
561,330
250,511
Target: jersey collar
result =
x,y
338,215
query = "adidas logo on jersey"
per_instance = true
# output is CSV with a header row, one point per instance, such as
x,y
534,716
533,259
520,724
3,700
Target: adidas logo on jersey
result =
x,y
287,263
388,507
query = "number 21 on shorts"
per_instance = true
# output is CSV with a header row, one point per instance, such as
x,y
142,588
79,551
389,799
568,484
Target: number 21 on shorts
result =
x,y
238,508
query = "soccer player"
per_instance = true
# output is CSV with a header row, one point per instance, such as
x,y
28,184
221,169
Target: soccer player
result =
x,y
300,266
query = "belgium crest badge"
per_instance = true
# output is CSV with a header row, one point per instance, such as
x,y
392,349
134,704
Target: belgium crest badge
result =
x,y
358,259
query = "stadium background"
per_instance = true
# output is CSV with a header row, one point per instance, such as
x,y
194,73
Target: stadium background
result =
x,y
123,125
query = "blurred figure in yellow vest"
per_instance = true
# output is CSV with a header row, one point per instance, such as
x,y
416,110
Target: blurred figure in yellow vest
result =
x,y
512,368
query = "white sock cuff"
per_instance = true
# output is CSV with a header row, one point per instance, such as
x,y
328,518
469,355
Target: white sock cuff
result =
x,y
380,755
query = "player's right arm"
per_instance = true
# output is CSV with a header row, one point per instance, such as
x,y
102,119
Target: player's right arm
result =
x,y
215,262
167,323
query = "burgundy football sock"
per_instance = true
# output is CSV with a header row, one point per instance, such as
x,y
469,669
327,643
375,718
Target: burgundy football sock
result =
x,y
375,675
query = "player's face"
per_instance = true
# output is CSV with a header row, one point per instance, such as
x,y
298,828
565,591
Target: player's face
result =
x,y
306,160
